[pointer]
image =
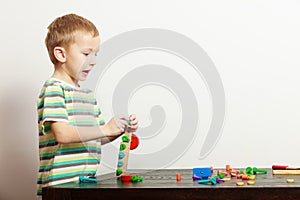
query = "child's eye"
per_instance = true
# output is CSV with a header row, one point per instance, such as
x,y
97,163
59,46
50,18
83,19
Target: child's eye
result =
x,y
96,52
86,54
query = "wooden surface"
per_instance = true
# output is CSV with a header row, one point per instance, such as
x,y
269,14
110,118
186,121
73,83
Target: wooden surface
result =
x,y
162,184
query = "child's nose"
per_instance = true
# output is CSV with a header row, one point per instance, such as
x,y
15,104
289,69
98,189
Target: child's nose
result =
x,y
92,60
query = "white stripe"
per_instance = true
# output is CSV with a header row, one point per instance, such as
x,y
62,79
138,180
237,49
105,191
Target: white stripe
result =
x,y
72,155
63,181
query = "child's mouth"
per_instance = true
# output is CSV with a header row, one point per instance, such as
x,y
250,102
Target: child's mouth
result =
x,y
86,72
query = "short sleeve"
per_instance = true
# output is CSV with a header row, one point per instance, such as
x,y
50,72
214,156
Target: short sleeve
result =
x,y
51,107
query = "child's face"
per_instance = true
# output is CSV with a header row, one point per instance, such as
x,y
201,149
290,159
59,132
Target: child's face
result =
x,y
81,57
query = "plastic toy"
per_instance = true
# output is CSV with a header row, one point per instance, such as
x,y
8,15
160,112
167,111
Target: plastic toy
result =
x,y
178,177
131,178
220,176
239,183
202,172
195,177
248,170
285,170
83,179
282,167
213,181
290,180
220,180
222,172
250,182
227,179
129,142
255,170
228,167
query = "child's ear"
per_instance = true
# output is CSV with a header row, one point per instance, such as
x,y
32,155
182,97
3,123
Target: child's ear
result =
x,y
60,54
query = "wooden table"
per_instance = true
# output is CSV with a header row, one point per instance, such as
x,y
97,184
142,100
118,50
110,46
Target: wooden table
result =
x,y
162,184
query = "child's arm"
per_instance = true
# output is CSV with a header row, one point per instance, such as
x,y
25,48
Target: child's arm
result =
x,y
108,139
65,133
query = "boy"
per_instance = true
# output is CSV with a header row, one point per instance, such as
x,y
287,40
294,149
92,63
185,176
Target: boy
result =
x,y
71,126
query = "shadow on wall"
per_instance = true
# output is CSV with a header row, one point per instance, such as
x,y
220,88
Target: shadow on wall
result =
x,y
18,144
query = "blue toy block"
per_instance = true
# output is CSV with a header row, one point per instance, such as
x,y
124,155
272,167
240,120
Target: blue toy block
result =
x,y
202,172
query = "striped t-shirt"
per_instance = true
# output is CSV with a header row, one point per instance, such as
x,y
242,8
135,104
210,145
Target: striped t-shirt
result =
x,y
60,163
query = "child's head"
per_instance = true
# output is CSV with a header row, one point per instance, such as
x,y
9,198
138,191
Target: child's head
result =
x,y
62,32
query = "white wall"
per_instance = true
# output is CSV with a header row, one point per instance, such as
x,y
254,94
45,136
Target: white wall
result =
x,y
253,44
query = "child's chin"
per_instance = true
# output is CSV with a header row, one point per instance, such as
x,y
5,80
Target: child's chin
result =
x,y
83,77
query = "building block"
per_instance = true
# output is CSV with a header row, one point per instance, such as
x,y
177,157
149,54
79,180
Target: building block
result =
x,y
202,172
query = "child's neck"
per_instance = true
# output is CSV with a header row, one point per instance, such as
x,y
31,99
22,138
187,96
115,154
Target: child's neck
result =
x,y
61,75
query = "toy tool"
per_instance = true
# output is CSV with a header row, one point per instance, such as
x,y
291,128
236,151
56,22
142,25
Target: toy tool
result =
x,y
129,142
284,167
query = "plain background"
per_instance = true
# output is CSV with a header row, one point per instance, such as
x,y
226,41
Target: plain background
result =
x,y
255,46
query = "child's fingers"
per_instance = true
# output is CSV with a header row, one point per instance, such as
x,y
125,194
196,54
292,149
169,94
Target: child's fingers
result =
x,y
133,128
123,117
132,117
120,122
133,120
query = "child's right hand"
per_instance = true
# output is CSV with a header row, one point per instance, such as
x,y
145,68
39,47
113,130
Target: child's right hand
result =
x,y
117,125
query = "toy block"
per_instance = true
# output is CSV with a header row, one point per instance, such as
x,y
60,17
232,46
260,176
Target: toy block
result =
x,y
202,172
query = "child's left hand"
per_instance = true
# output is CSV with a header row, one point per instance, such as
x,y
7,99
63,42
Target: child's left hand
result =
x,y
133,123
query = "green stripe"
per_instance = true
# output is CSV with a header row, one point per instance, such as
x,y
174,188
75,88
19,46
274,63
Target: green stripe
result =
x,y
48,142
82,123
42,168
101,121
53,104
95,161
54,115
47,154
40,103
53,92
87,99
75,149
47,128
45,115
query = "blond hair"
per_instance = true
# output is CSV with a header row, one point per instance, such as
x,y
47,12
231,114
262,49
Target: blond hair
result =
x,y
62,32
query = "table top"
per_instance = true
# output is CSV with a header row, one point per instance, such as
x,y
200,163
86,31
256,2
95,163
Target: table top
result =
x,y
162,184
